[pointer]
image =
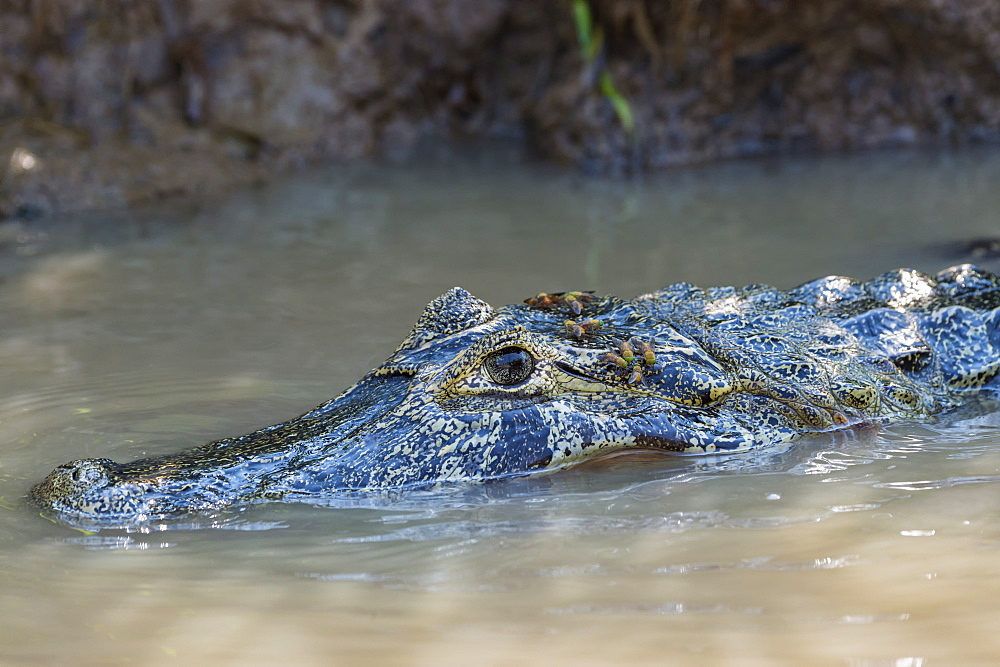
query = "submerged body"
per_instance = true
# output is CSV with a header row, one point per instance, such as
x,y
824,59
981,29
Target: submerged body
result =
x,y
478,393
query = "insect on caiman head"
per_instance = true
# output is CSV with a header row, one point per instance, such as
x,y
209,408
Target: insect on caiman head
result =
x,y
475,393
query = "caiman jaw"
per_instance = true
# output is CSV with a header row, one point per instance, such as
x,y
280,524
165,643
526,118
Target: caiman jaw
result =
x,y
220,473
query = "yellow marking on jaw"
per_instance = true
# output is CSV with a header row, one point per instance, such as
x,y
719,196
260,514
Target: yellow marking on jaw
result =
x,y
570,383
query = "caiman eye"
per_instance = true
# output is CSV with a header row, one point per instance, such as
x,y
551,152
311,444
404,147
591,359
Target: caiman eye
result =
x,y
509,365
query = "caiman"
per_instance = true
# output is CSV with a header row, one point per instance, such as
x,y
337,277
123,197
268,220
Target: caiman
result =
x,y
477,393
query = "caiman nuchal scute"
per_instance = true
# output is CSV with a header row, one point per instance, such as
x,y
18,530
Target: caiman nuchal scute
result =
x,y
474,393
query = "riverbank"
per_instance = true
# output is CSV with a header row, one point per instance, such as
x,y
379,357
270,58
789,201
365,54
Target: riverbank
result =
x,y
109,105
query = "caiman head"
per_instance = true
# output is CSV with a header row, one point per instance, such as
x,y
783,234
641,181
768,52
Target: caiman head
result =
x,y
474,393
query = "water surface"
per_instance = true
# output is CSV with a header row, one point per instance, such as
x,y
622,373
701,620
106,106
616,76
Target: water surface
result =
x,y
124,336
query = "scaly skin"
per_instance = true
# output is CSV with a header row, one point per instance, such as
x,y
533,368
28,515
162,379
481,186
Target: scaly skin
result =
x,y
474,393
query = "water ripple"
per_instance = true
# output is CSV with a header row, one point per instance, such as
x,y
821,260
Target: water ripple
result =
x,y
670,608
159,386
764,563
562,525
923,485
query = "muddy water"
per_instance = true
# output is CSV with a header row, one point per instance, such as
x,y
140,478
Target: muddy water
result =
x,y
148,333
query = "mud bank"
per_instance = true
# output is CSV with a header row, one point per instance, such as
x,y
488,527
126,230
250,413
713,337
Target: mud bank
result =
x,y
109,103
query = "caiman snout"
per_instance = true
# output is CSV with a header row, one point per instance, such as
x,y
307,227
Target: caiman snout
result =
x,y
73,484
81,476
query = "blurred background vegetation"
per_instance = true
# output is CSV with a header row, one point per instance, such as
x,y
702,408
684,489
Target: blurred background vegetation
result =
x,y
110,102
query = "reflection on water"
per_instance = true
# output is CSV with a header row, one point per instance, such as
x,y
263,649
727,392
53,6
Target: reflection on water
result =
x,y
149,333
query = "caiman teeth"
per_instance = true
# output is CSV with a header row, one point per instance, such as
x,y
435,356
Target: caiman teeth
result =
x,y
575,372
581,381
